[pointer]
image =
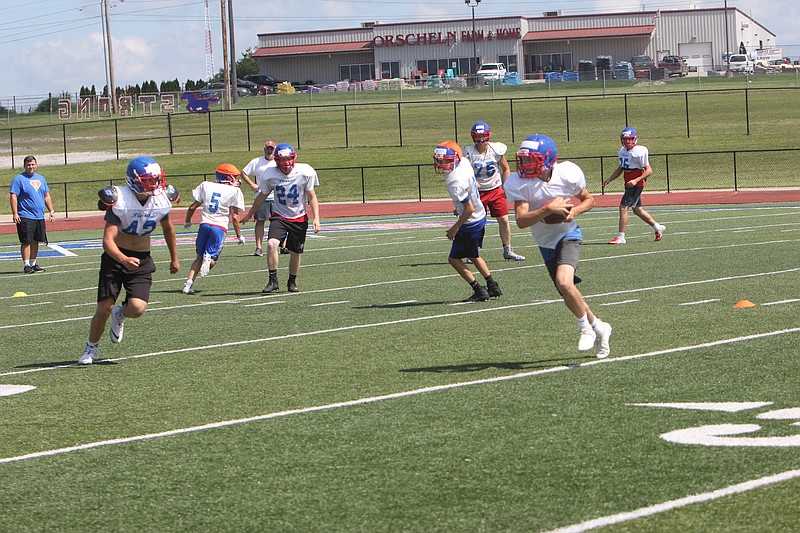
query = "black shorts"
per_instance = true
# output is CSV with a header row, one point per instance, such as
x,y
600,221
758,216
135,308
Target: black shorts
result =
x,y
31,229
632,197
114,276
568,252
293,232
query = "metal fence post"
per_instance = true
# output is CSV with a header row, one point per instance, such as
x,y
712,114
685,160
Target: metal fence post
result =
x,y
419,181
566,114
66,201
169,133
747,109
247,120
455,122
363,188
735,175
11,139
400,121
64,137
210,145
511,111
297,124
666,168
116,136
346,129
686,107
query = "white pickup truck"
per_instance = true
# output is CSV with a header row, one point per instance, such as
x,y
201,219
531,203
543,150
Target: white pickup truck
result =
x,y
492,71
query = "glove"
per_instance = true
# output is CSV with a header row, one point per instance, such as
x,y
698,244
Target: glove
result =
x,y
187,225
241,239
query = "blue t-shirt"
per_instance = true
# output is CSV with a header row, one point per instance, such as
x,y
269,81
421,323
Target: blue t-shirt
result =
x,y
30,193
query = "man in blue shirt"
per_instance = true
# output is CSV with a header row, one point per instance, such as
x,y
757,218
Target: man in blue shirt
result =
x,y
30,195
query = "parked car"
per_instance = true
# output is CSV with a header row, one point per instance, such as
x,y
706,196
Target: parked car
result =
x,y
642,65
266,83
217,90
674,66
492,71
740,63
252,88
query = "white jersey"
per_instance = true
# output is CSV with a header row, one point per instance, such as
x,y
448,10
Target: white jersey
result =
x,y
256,168
486,166
290,190
461,186
567,181
217,200
636,158
132,217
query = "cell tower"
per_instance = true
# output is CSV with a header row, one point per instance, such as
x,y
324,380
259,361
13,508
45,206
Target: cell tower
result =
x,y
209,51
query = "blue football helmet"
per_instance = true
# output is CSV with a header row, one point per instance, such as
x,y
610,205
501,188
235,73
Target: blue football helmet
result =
x,y
629,137
146,176
536,156
285,157
481,132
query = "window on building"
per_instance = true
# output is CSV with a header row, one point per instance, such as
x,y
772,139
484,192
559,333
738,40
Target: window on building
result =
x,y
390,69
510,61
356,72
549,62
460,66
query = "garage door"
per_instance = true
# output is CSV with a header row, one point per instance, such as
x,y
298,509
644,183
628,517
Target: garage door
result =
x,y
697,55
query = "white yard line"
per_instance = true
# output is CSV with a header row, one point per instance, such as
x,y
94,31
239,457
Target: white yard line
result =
x,y
680,502
405,394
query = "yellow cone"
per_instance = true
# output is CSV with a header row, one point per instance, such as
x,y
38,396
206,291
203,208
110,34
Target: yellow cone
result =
x,y
19,294
742,304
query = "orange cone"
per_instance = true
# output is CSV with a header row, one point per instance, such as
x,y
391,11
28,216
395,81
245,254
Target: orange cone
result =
x,y
743,304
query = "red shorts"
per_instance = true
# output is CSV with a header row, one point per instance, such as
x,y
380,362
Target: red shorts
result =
x,y
495,202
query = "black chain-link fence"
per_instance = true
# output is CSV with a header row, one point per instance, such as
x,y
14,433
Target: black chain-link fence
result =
x,y
729,170
686,114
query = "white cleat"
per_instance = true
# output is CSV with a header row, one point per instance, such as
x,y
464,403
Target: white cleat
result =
x,y
89,356
603,346
510,255
586,340
117,325
206,266
660,229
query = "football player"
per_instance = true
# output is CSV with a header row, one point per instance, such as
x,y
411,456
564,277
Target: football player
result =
x,y
222,201
293,185
542,187
467,232
255,168
132,213
634,165
491,169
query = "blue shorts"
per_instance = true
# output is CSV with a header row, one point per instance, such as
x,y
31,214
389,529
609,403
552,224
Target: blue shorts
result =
x,y
467,242
210,240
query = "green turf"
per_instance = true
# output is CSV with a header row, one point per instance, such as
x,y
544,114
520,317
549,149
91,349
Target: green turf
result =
x,y
526,454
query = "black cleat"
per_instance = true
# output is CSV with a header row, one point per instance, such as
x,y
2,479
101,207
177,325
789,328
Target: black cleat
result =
x,y
292,287
480,295
37,268
493,288
272,286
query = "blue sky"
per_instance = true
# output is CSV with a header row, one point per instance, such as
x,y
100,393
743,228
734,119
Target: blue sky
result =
x,y
53,49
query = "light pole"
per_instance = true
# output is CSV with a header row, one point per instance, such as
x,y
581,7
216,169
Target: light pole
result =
x,y
474,49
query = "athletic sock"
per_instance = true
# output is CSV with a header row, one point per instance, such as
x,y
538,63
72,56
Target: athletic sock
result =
x,y
583,321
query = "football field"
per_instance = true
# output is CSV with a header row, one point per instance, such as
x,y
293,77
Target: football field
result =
x,y
376,401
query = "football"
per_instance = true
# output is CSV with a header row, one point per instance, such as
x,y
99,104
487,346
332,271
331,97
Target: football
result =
x,y
556,218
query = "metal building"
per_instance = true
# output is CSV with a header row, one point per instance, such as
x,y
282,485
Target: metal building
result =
x,y
528,45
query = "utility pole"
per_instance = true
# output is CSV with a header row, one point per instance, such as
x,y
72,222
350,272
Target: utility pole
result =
x,y
233,54
226,73
111,89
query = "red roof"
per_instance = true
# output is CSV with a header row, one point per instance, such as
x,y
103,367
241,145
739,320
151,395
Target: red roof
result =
x,y
588,33
313,49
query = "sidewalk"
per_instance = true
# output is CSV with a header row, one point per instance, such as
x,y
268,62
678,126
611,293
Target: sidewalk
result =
x,y
94,219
